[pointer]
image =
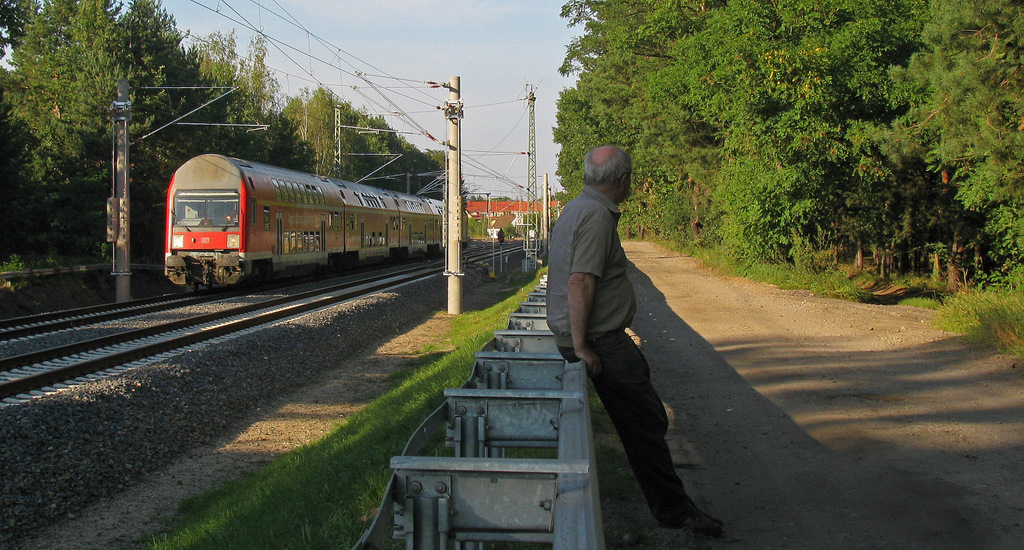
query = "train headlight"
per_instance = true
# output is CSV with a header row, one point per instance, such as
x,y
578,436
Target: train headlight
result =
x,y
177,241
232,241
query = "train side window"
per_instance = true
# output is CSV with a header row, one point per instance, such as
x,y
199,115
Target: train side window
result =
x,y
352,222
266,218
252,211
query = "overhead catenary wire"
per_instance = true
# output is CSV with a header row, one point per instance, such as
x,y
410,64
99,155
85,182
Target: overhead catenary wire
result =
x,y
344,63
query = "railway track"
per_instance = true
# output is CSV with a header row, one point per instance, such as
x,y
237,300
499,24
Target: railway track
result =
x,y
37,373
33,325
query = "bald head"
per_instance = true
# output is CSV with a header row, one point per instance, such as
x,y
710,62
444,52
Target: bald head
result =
x,y
608,168
606,164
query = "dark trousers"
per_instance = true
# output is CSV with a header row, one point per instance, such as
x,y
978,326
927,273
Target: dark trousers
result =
x,y
624,386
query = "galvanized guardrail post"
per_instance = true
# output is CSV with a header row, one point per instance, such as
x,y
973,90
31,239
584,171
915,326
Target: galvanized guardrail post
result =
x,y
521,395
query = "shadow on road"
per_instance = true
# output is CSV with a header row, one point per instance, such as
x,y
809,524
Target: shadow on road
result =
x,y
798,444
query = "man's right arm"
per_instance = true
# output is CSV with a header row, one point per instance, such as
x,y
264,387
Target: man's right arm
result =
x,y
582,287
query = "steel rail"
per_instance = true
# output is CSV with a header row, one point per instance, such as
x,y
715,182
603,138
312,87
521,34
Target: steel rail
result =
x,y
20,327
81,367
29,325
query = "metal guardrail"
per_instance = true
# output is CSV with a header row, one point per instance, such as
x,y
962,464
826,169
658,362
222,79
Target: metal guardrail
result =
x,y
521,395
42,272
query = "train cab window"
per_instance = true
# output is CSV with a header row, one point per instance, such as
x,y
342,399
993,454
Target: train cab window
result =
x,y
206,208
352,222
266,218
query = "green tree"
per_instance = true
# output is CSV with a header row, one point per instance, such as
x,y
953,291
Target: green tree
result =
x,y
154,60
63,84
256,100
972,116
13,14
313,113
14,144
746,119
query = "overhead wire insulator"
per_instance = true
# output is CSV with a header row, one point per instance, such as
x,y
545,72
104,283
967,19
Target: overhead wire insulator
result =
x,y
453,110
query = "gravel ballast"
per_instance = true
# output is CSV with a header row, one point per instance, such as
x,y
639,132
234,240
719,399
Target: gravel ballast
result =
x,y
64,451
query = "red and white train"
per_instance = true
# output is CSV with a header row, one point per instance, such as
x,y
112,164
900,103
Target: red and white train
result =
x,y
229,220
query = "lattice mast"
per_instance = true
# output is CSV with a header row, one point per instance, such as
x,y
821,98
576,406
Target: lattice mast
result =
x,y
531,218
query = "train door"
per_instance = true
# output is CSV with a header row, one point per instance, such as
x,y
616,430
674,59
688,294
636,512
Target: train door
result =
x,y
279,249
362,235
322,238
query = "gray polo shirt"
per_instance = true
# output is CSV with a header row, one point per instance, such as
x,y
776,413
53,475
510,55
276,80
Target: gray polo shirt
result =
x,y
586,240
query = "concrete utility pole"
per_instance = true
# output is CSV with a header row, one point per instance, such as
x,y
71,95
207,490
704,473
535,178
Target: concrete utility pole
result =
x,y
118,206
545,216
453,198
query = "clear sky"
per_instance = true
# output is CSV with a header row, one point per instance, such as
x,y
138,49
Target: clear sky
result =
x,y
496,47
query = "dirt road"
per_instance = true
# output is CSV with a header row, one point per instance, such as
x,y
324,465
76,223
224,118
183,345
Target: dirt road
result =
x,y
818,423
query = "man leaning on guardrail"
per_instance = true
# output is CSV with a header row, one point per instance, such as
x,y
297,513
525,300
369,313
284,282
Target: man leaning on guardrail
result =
x,y
590,304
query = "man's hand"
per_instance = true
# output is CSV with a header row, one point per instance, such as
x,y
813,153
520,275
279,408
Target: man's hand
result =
x,y
590,360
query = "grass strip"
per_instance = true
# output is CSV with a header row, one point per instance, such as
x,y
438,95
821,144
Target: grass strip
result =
x,y
988,317
830,281
323,494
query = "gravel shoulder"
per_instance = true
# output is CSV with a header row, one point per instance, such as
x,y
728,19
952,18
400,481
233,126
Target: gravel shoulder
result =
x,y
104,465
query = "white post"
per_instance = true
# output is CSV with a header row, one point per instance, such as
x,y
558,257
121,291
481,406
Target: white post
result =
x,y
453,208
545,217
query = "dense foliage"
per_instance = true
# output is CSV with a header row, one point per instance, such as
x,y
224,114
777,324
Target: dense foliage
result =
x,y
315,112
807,131
66,57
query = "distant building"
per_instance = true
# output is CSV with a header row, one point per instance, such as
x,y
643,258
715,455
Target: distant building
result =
x,y
505,213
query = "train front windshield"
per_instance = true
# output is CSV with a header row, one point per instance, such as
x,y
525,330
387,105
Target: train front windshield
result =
x,y
207,208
